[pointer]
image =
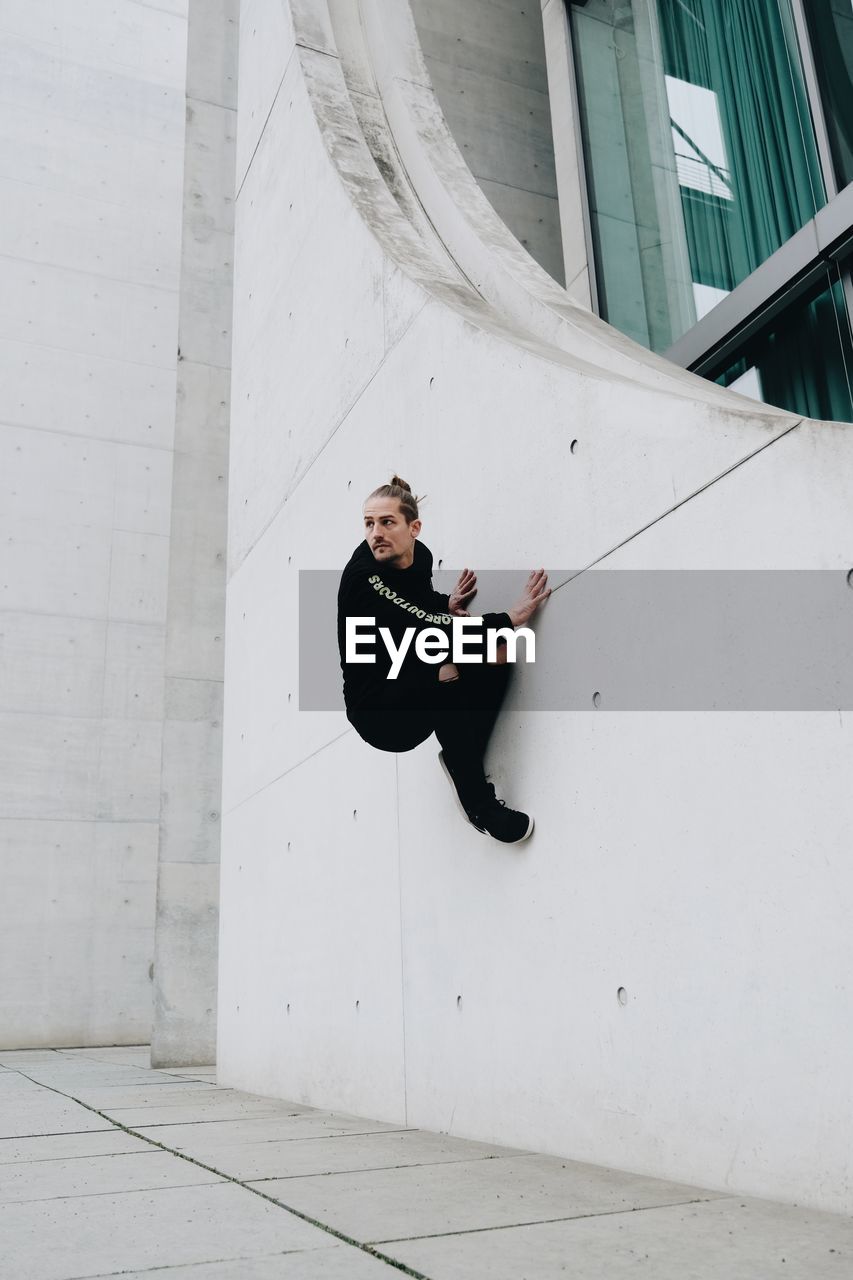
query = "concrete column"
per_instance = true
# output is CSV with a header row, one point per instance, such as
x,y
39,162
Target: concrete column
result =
x,y
188,874
91,154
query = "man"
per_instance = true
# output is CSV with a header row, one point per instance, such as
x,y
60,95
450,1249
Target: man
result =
x,y
394,698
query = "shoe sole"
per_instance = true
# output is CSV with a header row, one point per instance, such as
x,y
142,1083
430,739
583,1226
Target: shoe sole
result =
x,y
528,833
449,777
521,839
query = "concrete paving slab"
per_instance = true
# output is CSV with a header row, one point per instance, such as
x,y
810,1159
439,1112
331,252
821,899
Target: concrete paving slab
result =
x,y
197,1072
141,1230
302,1158
13,1082
147,1170
198,1113
304,1124
390,1204
159,1095
71,1076
28,1119
70,1146
27,1057
343,1262
732,1238
125,1055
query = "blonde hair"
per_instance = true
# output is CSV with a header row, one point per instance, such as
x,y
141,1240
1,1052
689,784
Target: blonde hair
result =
x,y
400,490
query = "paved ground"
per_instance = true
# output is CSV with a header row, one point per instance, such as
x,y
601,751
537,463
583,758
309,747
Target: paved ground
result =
x,y
108,1168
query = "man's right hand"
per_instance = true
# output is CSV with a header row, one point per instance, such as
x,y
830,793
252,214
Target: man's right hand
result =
x,y
536,590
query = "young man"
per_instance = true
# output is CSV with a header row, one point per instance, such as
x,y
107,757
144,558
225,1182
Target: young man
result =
x,y
389,579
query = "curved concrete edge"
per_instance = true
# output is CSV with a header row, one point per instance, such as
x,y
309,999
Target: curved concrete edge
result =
x,y
487,253
383,128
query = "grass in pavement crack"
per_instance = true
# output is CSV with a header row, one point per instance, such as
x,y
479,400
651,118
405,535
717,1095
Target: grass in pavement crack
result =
x,y
227,1177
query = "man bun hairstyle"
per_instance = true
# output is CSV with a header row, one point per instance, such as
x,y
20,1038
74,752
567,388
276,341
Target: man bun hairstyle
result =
x,y
399,489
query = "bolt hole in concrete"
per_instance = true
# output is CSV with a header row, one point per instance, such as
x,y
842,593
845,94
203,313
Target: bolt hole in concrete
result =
x,y
573,447
622,996
850,578
596,699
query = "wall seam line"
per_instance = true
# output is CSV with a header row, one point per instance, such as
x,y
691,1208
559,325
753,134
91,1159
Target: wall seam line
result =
x,y
335,429
226,813
91,273
682,502
402,945
239,187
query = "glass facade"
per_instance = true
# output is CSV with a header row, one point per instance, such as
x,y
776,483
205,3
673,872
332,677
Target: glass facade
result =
x,y
830,24
805,361
703,158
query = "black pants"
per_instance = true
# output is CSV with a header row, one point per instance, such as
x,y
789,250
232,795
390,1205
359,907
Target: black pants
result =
x,y
461,713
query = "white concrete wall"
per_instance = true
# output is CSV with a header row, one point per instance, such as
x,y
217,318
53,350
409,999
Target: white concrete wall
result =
x,y
377,954
91,159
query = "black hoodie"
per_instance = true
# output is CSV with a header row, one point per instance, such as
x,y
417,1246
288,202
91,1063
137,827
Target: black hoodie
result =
x,y
396,599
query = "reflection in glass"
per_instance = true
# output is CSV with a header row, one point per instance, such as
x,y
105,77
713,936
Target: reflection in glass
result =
x,y
805,363
831,29
700,155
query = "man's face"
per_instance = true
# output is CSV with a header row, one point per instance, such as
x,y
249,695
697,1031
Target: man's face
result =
x,y
391,540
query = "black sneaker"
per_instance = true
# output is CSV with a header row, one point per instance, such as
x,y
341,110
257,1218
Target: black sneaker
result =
x,y
501,823
491,816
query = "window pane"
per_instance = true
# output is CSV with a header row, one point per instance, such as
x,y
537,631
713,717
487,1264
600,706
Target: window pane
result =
x,y
699,151
805,363
831,29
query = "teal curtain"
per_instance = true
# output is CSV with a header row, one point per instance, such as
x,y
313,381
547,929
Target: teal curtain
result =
x,y
700,153
805,364
744,52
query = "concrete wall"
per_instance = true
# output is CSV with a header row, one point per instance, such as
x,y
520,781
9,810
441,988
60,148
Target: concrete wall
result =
x,y
486,59
377,954
188,880
91,158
